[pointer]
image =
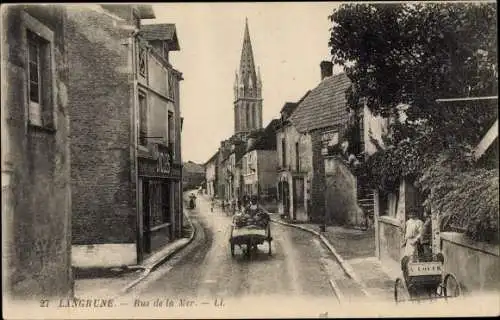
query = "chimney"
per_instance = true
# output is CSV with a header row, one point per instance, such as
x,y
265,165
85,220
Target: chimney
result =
x,y
326,69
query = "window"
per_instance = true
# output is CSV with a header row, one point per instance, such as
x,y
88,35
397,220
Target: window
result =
x,y
165,50
171,132
40,89
255,118
297,164
283,151
171,86
143,60
249,116
143,119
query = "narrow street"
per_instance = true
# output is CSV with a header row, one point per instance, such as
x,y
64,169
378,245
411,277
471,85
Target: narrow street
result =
x,y
300,265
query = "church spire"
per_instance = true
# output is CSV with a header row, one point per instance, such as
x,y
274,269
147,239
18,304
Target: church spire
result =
x,y
247,65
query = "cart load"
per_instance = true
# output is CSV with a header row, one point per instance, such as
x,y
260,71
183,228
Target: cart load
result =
x,y
259,219
250,229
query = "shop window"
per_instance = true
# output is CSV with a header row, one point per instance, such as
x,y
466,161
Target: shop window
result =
x,y
165,201
143,119
40,73
171,133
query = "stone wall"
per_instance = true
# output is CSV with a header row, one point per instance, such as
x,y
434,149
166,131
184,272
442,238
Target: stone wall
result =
x,y
475,265
104,209
36,198
342,207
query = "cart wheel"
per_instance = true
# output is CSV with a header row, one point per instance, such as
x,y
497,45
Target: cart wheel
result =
x,y
400,291
451,286
269,250
232,249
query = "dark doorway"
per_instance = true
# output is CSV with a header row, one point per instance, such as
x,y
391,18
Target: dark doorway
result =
x,y
146,216
286,199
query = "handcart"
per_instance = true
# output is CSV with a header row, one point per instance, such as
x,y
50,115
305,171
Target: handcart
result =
x,y
425,280
250,236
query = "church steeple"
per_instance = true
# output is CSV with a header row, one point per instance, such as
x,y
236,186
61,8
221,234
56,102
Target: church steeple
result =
x,y
247,88
247,64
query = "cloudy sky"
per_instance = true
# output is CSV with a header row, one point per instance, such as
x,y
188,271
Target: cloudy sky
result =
x,y
289,41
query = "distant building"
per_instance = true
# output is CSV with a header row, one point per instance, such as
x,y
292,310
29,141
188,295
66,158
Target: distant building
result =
x,y
36,197
211,175
259,163
193,175
125,134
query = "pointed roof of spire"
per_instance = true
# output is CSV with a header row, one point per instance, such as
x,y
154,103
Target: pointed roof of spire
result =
x,y
247,65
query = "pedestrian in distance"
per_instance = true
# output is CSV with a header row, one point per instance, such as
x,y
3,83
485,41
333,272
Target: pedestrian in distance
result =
x,y
212,203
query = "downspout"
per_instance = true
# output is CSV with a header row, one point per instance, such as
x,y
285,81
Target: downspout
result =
x,y
132,75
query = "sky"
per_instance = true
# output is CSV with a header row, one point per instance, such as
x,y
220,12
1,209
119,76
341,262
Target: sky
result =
x,y
289,41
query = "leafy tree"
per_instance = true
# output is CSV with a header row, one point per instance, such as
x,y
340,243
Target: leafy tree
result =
x,y
411,55
415,53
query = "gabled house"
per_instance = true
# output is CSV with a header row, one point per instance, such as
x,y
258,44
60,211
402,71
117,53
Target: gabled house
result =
x,y
319,120
126,163
211,175
292,166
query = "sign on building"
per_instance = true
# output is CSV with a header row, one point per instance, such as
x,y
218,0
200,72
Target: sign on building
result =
x,y
328,138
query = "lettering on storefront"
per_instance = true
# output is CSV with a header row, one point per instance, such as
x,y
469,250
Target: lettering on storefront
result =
x,y
160,165
163,163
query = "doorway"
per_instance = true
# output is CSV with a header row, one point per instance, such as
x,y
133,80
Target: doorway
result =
x,y
146,222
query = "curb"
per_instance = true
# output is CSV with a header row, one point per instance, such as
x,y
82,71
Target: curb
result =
x,y
343,264
147,271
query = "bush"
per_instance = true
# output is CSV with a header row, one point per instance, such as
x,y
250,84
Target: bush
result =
x,y
467,200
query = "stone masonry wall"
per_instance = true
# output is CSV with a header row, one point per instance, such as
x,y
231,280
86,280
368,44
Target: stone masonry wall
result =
x,y
36,199
104,209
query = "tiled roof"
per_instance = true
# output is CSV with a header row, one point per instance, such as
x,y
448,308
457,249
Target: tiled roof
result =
x,y
324,106
289,107
162,32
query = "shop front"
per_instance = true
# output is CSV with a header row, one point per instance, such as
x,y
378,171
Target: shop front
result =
x,y
160,198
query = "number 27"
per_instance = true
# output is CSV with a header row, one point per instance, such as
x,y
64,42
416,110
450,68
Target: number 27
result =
x,y
44,303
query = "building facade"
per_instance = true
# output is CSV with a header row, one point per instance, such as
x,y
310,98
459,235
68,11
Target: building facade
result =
x,y
294,166
259,163
125,137
36,197
211,175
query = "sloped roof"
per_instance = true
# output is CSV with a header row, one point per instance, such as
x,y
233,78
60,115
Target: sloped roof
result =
x,y
324,106
191,166
161,32
212,158
289,107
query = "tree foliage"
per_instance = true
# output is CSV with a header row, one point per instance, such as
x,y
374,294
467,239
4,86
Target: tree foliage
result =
x,y
411,55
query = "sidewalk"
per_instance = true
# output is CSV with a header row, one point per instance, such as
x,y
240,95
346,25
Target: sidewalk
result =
x,y
355,250
112,282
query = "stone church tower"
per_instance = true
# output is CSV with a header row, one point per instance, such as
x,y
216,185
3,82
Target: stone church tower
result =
x,y
247,92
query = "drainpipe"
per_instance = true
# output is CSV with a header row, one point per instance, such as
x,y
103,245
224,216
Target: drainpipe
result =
x,y
131,44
